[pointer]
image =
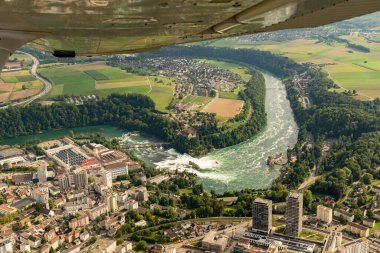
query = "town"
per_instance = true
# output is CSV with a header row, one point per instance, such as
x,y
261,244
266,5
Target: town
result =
x,y
79,196
193,77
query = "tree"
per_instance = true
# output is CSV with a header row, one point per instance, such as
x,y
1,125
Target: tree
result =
x,y
141,245
307,199
367,178
93,240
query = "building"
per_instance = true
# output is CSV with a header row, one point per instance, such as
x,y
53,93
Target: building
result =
x,y
94,148
67,156
369,223
80,179
158,179
360,245
64,182
333,242
339,213
358,229
41,195
293,214
97,211
139,193
6,245
117,169
262,215
81,221
42,172
103,246
22,179
324,214
24,247
214,242
112,202
6,209
376,188
141,223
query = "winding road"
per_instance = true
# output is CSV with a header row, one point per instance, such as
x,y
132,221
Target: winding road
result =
x,y
33,71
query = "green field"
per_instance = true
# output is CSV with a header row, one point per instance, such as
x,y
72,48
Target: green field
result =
x,y
350,69
105,81
9,79
96,75
311,235
196,100
228,95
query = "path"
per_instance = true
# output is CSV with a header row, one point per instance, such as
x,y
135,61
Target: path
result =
x,y
33,71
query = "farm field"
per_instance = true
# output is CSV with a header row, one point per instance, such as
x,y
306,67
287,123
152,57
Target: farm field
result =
x,y
17,85
224,107
350,69
102,80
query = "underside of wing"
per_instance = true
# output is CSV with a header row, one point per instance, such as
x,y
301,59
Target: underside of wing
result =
x,y
93,27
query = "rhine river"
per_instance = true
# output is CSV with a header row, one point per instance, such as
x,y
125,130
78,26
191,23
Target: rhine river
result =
x,y
234,168
241,166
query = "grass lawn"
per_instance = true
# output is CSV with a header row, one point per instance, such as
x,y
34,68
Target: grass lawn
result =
x,y
162,96
376,227
196,100
185,191
311,235
228,95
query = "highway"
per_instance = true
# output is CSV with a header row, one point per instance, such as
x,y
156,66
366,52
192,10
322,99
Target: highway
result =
x,y
33,71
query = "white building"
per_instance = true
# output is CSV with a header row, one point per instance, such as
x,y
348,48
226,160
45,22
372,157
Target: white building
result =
x,y
360,245
141,223
333,242
112,202
117,169
25,247
324,214
6,245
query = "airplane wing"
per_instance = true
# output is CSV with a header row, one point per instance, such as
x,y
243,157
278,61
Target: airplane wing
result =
x,y
68,28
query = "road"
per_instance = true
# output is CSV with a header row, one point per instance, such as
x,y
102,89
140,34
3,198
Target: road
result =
x,y
33,71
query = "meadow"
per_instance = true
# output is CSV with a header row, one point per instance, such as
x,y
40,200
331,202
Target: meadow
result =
x,y
350,69
103,80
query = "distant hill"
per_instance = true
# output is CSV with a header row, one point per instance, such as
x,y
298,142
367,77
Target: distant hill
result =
x,y
366,22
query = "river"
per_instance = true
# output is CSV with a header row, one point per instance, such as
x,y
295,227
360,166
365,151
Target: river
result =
x,y
241,166
234,168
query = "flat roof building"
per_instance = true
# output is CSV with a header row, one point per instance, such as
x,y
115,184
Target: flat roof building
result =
x,y
214,242
324,214
293,214
262,215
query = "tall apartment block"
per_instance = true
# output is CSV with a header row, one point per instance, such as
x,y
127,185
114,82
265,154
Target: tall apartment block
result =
x,y
293,214
262,215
